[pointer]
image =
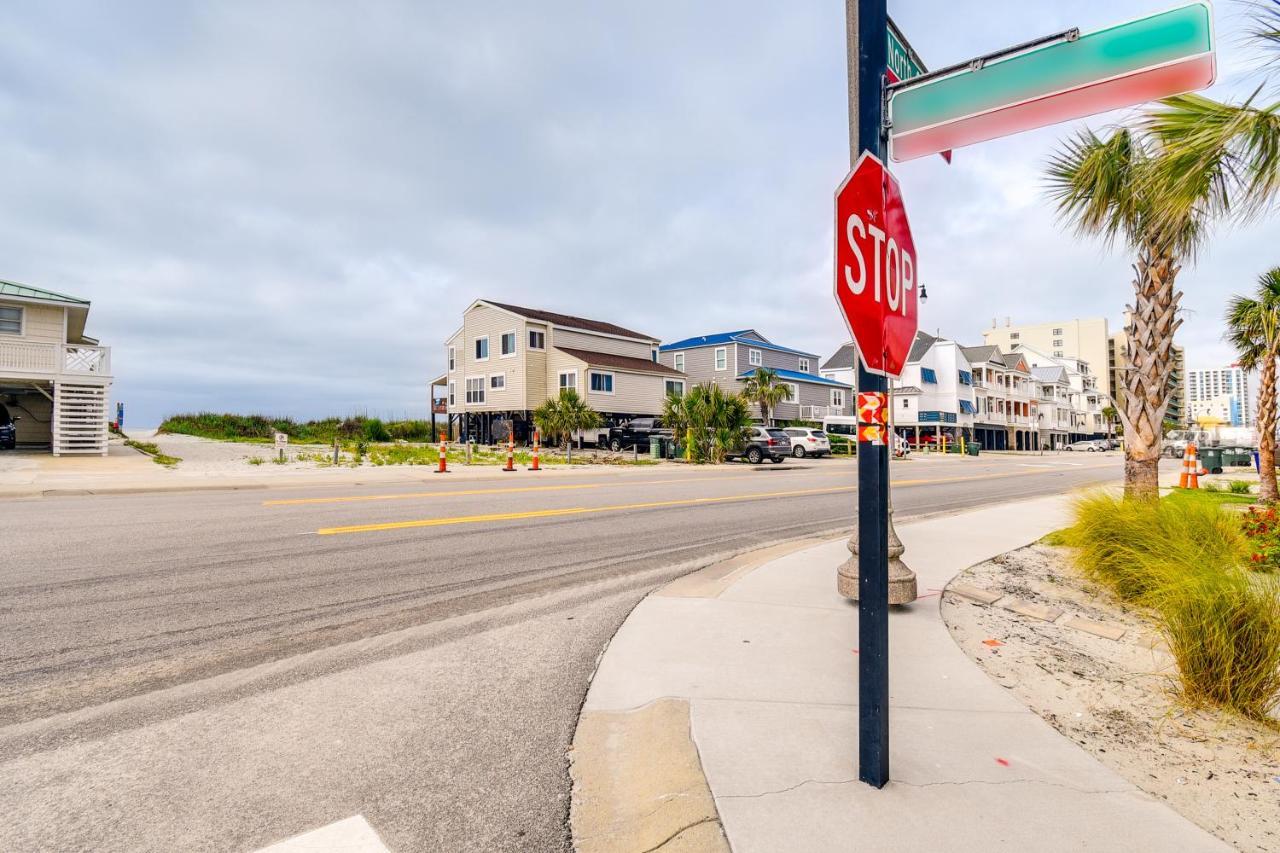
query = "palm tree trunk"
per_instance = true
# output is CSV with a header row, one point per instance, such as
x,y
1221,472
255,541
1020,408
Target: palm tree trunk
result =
x,y
1150,335
1267,491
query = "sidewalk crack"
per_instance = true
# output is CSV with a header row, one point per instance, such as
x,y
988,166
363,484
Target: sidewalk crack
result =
x,y
672,837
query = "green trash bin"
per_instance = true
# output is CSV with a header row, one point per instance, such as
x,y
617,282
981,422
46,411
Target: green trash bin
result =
x,y
655,447
1211,459
973,447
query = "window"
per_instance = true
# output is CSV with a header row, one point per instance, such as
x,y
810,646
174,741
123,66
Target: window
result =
x,y
754,358
498,381
452,353
678,361
1013,336
1057,342
675,386
722,358
653,356
1057,331
601,383
508,345
1057,354
928,375
537,340
10,320
906,403
475,389
966,378
569,380
482,348
837,397
453,392
804,365
795,392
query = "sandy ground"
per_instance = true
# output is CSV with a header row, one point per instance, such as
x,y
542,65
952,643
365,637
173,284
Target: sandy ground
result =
x,y
1117,698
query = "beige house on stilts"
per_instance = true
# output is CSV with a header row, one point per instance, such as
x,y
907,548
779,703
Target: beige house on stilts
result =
x,y
54,380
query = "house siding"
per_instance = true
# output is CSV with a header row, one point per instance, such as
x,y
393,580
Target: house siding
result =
x,y
600,343
40,323
480,321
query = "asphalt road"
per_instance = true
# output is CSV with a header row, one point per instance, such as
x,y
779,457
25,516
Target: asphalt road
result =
x,y
220,671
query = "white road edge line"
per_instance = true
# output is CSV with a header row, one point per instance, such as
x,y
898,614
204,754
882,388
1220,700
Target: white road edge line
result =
x,y
353,835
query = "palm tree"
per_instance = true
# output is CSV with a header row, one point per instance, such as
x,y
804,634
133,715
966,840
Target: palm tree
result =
x,y
766,391
1109,415
1192,160
1253,328
561,417
712,421
1113,188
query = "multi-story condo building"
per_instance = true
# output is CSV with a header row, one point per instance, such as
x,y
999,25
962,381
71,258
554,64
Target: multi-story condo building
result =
x,y
1086,401
1088,339
506,360
1005,399
729,359
1055,419
935,394
1223,393
54,379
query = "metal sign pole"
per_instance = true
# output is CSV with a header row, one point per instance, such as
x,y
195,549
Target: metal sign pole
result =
x,y
868,62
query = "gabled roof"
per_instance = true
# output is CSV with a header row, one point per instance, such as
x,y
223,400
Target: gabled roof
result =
x,y
569,321
920,346
26,291
620,362
907,389
978,355
722,338
1015,361
796,376
842,359
1056,373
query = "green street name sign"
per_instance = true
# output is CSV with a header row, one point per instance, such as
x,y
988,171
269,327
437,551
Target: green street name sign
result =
x,y
903,61
1118,66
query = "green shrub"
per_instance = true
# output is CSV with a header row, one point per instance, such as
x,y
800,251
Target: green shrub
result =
x,y
1134,547
1239,487
1223,628
1188,560
375,430
262,428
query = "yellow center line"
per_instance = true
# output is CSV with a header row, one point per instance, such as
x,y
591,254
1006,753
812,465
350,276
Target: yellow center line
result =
x,y
507,490
550,513
577,510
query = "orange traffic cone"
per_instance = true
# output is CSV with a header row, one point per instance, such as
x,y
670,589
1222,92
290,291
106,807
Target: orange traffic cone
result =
x,y
444,459
1191,470
536,445
511,453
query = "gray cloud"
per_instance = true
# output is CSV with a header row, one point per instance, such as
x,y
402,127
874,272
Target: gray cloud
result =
x,y
286,206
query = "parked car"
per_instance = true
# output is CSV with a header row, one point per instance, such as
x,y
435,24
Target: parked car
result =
x,y
8,430
763,443
635,431
1089,445
806,441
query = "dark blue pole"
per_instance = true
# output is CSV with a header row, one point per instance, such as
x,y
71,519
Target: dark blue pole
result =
x,y
868,61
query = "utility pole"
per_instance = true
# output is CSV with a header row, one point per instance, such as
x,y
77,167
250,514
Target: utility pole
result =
x,y
866,29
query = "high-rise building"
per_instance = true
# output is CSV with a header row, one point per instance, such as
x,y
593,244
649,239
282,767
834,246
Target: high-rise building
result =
x,y
1223,393
1087,340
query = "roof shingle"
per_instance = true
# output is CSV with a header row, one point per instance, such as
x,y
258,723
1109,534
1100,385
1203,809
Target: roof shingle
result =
x,y
620,362
570,321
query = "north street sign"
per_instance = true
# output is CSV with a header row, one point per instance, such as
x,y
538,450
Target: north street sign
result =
x,y
904,63
1072,77
875,274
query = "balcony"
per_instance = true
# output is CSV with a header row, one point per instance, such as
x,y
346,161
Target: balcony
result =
x,y
817,413
34,360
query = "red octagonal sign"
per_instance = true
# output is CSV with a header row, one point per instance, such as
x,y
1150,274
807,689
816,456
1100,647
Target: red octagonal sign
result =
x,y
876,275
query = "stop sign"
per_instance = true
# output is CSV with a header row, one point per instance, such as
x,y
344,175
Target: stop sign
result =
x,y
876,272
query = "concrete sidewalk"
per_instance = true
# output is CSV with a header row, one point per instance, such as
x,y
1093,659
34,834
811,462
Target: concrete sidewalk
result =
x,y
727,703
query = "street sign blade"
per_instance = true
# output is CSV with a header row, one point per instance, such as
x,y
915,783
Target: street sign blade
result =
x,y
1118,66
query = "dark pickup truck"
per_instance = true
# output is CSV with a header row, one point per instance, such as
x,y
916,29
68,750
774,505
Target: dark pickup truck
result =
x,y
636,431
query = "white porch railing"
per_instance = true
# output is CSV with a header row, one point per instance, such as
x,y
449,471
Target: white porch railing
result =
x,y
78,358
817,413
31,357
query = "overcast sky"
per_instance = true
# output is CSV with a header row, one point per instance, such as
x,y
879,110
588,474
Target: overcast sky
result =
x,y
285,206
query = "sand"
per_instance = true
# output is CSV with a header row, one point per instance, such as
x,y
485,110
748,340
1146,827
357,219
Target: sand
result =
x,y
1118,698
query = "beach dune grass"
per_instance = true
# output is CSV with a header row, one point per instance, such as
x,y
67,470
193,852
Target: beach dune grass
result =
x,y
1186,560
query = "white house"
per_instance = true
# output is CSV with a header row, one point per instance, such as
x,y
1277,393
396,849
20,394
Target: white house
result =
x,y
54,379
934,397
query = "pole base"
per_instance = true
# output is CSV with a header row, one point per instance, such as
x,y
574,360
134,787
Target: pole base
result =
x,y
437,471
902,581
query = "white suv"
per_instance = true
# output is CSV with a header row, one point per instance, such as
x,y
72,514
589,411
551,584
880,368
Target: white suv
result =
x,y
806,441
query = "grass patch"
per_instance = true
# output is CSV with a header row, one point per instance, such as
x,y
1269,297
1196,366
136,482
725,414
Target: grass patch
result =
x,y
1188,561
154,452
262,428
1207,497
